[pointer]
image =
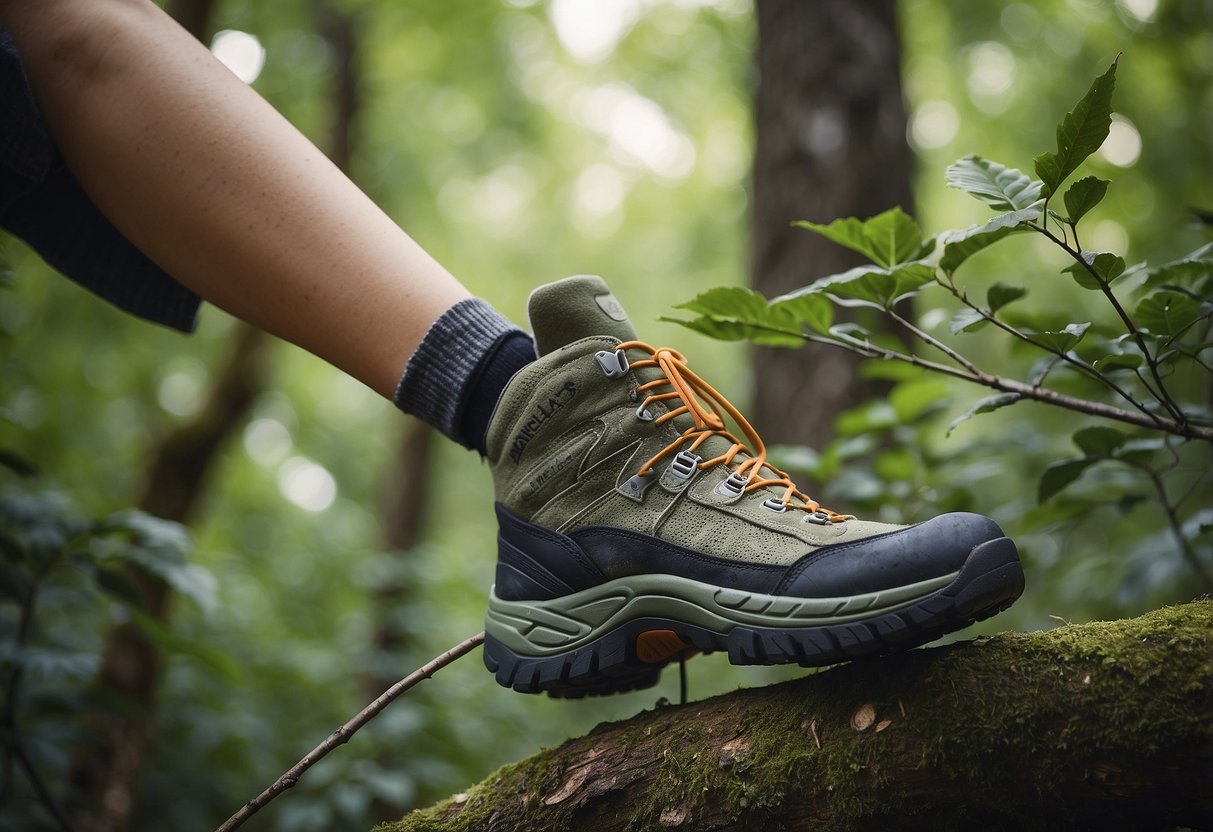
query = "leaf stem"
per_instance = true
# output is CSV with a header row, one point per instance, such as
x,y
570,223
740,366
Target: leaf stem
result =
x,y
935,342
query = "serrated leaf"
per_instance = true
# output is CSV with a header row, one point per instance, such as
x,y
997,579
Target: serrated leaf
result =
x,y
1099,440
1062,341
733,313
1080,133
1000,187
986,405
1106,265
959,246
887,239
966,320
870,284
1000,294
1084,195
1059,475
1167,312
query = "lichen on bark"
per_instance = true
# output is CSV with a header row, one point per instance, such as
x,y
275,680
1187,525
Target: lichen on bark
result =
x,y
1106,725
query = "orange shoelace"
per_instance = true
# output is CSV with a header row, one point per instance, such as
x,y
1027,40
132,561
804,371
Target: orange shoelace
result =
x,y
693,392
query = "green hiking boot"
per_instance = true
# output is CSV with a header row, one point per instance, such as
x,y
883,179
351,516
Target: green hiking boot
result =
x,y
635,528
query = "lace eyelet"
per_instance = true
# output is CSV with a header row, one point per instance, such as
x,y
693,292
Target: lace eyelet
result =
x,y
613,364
777,506
644,414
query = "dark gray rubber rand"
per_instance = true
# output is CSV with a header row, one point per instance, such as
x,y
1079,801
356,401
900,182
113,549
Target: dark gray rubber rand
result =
x,y
990,580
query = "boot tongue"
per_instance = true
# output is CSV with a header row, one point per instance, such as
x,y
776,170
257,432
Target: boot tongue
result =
x,y
575,308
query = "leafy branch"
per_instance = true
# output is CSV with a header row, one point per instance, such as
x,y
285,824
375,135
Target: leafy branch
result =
x,y
1162,341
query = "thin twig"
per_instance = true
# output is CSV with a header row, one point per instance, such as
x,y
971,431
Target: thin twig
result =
x,y
927,338
1007,385
1082,366
1163,397
343,734
1185,546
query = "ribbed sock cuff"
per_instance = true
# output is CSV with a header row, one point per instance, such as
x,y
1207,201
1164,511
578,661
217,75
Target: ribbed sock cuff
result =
x,y
445,375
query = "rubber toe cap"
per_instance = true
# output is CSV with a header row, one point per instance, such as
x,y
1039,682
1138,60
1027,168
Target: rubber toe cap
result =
x,y
927,550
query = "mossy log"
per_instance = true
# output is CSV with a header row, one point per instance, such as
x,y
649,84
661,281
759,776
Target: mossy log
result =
x,y
1093,726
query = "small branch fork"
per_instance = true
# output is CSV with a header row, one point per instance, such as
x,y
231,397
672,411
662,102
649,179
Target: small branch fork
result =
x,y
342,735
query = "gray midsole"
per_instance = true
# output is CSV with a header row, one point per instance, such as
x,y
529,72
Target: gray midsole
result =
x,y
545,628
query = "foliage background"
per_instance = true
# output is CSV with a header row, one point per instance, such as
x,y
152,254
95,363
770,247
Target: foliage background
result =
x,y
494,136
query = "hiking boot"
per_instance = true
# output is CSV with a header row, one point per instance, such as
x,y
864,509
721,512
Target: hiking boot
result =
x,y
635,528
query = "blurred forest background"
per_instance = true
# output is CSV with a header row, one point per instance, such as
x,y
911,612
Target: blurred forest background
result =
x,y
336,547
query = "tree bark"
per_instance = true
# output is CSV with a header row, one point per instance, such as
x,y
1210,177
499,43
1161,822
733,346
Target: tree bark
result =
x,y
1096,726
830,141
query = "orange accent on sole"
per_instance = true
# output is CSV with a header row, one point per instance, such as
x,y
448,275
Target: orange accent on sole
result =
x,y
657,646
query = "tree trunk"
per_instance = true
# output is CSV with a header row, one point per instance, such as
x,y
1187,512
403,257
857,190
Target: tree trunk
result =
x,y
830,141
105,770
1095,726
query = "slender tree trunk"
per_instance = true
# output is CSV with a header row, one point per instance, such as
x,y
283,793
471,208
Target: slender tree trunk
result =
x,y
1104,726
830,130
105,771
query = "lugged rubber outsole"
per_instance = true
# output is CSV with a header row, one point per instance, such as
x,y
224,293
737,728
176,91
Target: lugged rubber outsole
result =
x,y
990,580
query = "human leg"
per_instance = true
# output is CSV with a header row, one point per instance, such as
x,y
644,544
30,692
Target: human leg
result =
x,y
216,187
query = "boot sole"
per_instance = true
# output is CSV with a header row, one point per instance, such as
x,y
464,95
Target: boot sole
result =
x,y
618,636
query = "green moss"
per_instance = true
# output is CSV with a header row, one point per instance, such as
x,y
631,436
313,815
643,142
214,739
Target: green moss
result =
x,y
974,714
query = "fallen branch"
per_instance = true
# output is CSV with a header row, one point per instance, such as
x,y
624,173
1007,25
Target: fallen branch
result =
x,y
1106,725
342,735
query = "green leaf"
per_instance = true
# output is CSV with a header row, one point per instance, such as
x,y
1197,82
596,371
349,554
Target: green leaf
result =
x,y
887,239
959,246
890,369
1059,475
1099,440
731,303
1125,361
1000,294
1080,133
911,399
1108,266
723,330
876,415
1084,195
1140,451
967,320
1186,271
986,405
732,313
870,284
1167,312
1062,341
814,311
1002,188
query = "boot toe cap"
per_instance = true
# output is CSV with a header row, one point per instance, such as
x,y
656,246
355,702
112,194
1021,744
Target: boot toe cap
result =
x,y
932,549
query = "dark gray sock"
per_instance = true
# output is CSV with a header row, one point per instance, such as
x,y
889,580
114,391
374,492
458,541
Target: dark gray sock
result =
x,y
457,374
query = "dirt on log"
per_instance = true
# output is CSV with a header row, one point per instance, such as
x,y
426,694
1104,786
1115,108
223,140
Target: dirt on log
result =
x,y
1106,725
